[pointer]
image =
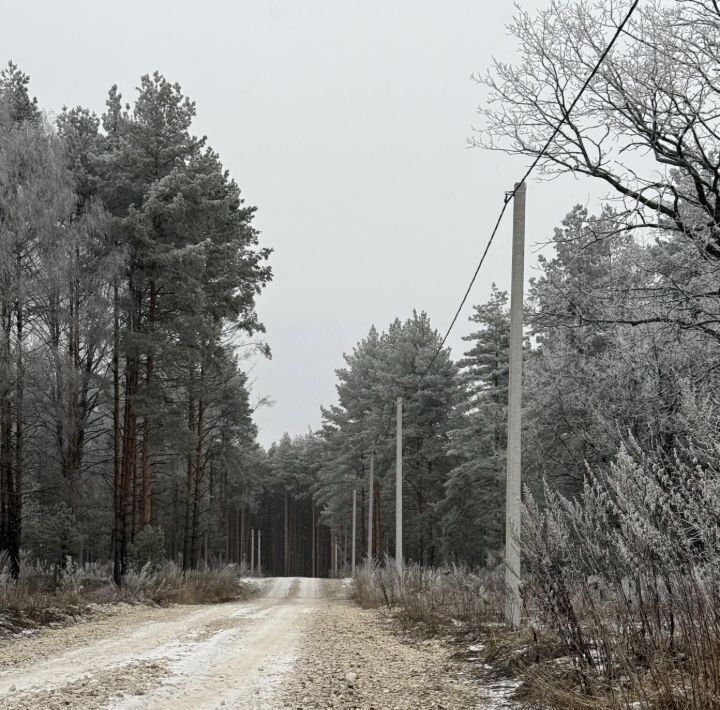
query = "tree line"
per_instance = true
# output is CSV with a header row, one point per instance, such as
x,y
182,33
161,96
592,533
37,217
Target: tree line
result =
x,y
130,269
622,324
129,272
591,382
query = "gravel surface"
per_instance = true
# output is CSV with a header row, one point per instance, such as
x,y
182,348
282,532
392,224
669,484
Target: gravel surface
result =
x,y
302,645
106,620
350,658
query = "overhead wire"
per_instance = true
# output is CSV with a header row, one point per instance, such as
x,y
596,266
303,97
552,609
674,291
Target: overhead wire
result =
x,y
511,194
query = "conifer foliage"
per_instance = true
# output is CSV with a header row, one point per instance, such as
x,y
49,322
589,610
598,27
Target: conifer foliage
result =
x,y
130,266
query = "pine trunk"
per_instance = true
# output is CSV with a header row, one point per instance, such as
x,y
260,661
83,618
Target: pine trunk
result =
x,y
147,420
286,555
197,484
312,543
117,477
376,523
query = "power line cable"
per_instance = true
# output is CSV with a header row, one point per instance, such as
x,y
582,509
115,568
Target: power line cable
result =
x,y
510,195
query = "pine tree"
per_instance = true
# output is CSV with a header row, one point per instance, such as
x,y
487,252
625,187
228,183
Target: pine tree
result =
x,y
18,105
473,506
381,368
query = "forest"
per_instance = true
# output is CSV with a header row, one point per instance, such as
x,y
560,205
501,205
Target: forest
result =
x,y
130,271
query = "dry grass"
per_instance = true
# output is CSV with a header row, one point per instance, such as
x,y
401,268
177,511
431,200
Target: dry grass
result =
x,y
593,663
621,588
437,598
45,594
624,583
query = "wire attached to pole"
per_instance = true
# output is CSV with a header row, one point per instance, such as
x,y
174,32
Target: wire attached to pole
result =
x,y
510,195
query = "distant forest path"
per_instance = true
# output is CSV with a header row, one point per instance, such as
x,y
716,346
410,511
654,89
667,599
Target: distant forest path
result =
x,y
301,644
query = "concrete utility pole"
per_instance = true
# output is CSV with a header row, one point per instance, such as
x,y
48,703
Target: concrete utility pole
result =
x,y
370,506
398,489
286,554
259,551
344,545
243,534
354,529
252,550
333,551
514,450
314,574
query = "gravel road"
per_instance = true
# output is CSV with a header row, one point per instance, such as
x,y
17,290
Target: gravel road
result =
x,y
300,645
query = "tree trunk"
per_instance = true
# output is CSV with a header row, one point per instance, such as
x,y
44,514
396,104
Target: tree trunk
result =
x,y
147,420
15,527
312,543
117,478
286,555
243,522
70,441
363,518
128,463
187,534
376,523
5,433
197,482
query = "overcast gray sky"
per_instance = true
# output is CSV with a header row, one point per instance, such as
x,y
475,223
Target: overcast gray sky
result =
x,y
345,123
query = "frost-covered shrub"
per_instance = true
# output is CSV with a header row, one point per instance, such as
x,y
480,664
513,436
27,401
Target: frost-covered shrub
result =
x,y
433,596
627,576
43,586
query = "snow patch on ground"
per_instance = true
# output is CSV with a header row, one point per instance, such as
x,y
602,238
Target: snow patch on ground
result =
x,y
271,676
497,695
257,581
250,613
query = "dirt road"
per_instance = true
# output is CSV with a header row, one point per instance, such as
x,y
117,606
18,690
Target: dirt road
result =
x,y
301,644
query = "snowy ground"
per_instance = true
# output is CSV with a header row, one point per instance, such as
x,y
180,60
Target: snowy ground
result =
x,y
300,645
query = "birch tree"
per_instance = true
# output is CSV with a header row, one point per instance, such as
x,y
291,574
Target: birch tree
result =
x,y
647,127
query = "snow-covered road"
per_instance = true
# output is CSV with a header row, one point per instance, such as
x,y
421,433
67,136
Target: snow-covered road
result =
x,y
298,645
226,655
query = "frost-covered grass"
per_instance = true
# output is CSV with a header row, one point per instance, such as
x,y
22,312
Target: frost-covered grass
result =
x,y
432,596
621,587
43,590
623,584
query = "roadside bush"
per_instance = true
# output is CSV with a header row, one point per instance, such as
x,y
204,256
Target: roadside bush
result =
x,y
433,596
46,592
627,580
621,586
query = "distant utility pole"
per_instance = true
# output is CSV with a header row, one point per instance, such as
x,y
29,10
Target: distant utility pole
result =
x,y
514,449
398,489
286,554
312,554
354,529
252,550
370,506
333,550
259,551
